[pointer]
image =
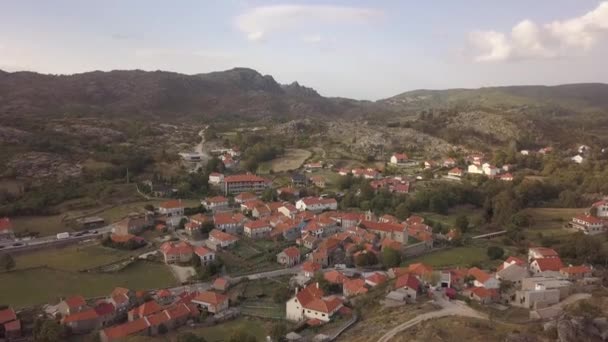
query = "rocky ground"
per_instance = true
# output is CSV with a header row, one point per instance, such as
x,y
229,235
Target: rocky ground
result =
x,y
39,165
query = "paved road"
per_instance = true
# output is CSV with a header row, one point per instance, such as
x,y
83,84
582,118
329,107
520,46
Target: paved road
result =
x,y
449,308
52,239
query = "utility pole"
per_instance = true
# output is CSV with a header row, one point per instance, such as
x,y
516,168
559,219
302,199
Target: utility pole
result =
x,y
127,175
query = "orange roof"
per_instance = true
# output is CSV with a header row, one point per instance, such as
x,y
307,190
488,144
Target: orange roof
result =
x,y
545,252
354,286
376,278
549,264
382,226
324,305
220,282
482,292
172,204
7,315
121,238
158,318
392,244
257,224
334,277
209,297
409,281
75,301
576,269
292,252
588,219
420,269
124,330
201,251
147,309
245,196
220,235
217,199
173,248
478,274
310,266
81,316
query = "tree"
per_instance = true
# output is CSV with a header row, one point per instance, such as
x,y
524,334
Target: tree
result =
x,y
462,223
366,259
495,252
278,331
149,207
281,294
505,285
7,262
402,211
47,331
162,329
189,337
390,257
207,226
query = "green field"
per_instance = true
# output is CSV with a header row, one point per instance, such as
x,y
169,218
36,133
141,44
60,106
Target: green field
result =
x,y
291,160
223,331
449,219
454,257
21,288
72,258
549,222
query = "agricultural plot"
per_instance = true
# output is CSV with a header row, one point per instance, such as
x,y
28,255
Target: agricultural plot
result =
x,y
291,160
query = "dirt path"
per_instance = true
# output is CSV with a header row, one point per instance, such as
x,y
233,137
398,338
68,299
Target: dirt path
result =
x,y
449,308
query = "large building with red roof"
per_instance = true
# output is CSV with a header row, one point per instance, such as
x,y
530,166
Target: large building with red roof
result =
x,y
588,224
310,304
236,184
176,251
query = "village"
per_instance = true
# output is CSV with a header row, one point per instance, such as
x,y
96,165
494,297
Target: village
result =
x,y
329,257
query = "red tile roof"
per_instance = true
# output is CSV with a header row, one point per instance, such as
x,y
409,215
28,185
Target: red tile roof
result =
x,y
409,281
382,226
147,309
124,330
257,224
354,286
334,277
13,326
310,266
482,292
245,196
545,252
376,278
75,302
217,199
549,264
220,282
588,219
575,270
172,204
209,297
420,269
478,274
219,235
5,224
103,309
244,178
7,315
202,251
292,252
86,315
176,248
324,305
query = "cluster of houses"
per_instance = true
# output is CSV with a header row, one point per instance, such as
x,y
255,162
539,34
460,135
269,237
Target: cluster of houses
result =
x,y
10,325
125,312
536,283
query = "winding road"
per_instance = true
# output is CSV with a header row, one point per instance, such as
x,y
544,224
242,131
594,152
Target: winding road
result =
x,y
448,308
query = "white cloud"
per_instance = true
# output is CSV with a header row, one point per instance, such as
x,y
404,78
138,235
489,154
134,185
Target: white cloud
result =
x,y
312,38
529,40
259,22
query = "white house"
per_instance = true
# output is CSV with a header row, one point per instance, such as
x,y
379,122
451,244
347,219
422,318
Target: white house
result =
x,y
490,170
171,208
216,178
524,152
578,159
399,158
206,255
483,279
475,169
602,208
456,172
309,303
257,229
315,204
588,224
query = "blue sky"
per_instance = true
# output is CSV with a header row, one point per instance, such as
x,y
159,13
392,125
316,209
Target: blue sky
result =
x,y
359,49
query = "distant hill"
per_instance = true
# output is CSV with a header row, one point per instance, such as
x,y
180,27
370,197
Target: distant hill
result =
x,y
238,92
577,97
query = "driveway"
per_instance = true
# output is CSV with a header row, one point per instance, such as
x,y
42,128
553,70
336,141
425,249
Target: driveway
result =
x,y
448,308
182,273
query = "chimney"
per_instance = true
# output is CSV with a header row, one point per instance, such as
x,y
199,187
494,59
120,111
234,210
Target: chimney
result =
x,y
297,288
317,284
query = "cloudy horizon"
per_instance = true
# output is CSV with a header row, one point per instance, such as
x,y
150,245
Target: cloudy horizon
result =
x,y
357,49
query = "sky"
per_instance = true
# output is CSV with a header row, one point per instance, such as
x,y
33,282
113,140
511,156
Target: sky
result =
x,y
357,49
